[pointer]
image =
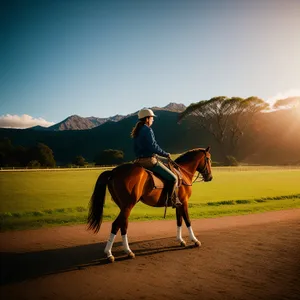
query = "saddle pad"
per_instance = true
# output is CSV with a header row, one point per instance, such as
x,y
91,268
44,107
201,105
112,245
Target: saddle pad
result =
x,y
156,181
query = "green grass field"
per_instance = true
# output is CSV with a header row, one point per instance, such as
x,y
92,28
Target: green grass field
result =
x,y
33,199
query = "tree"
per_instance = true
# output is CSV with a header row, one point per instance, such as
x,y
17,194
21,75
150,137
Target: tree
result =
x,y
6,152
21,155
226,119
109,157
12,156
43,154
79,161
34,164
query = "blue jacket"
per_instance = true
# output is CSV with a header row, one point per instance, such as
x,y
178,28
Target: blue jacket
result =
x,y
145,144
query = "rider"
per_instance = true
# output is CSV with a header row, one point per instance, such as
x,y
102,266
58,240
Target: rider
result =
x,y
146,148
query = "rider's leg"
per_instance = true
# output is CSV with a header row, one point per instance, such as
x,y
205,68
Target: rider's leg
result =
x,y
174,195
167,174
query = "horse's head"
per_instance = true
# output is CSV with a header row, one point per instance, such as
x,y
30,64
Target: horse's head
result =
x,y
204,165
196,160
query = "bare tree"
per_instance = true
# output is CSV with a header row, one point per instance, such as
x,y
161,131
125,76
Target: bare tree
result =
x,y
225,118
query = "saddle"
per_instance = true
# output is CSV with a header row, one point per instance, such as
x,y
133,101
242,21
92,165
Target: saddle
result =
x,y
159,183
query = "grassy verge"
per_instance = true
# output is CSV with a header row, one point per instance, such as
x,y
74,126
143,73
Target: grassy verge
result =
x,y
47,198
141,212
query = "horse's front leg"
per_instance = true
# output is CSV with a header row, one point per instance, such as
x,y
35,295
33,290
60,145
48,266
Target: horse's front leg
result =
x,y
187,221
179,213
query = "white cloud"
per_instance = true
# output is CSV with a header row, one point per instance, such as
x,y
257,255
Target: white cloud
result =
x,y
24,121
284,95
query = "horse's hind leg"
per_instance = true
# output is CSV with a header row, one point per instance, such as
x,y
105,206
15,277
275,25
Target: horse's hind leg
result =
x,y
108,247
120,222
124,227
114,230
112,236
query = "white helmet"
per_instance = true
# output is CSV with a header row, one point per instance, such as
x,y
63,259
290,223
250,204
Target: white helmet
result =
x,y
145,112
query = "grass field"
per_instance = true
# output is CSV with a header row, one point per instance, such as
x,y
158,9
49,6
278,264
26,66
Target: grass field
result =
x,y
33,199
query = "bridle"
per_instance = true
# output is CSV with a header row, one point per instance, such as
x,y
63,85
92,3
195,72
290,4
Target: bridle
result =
x,y
204,171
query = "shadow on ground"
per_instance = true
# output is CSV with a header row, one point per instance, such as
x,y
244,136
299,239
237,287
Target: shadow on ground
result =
x,y
17,267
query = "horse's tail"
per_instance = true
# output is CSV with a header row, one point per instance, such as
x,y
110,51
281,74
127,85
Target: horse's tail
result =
x,y
97,202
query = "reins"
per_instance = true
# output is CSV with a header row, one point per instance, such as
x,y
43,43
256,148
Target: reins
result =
x,y
180,167
183,169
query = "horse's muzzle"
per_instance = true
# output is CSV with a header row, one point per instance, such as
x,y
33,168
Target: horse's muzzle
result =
x,y
208,177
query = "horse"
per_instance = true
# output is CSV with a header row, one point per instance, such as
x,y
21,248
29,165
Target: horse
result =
x,y
129,183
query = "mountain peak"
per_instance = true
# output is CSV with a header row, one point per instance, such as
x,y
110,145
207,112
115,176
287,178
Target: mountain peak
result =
x,y
75,122
172,106
176,107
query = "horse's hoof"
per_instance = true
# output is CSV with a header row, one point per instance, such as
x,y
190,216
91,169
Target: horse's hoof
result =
x,y
182,243
197,244
111,259
131,255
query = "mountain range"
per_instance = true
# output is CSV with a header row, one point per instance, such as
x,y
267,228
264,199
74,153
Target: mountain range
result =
x,y
272,139
76,122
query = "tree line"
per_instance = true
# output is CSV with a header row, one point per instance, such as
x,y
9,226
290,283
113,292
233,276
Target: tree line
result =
x,y
39,155
225,119
42,155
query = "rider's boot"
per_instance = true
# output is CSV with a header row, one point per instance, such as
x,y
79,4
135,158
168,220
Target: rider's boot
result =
x,y
174,197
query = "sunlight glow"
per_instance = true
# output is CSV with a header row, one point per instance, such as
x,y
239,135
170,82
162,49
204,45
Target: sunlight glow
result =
x,y
284,95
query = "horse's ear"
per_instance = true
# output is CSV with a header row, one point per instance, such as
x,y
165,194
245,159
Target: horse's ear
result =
x,y
207,149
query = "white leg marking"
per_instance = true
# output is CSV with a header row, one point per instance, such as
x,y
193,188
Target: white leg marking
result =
x,y
191,233
125,244
179,236
109,245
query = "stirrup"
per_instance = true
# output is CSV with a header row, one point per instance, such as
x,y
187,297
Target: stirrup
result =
x,y
176,202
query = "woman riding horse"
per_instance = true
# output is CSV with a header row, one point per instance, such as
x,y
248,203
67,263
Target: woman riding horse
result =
x,y
146,148
130,183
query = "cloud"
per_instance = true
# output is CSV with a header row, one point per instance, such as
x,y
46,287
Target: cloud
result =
x,y
24,121
284,95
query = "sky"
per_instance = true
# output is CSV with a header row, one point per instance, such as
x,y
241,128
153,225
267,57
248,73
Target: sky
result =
x,y
101,58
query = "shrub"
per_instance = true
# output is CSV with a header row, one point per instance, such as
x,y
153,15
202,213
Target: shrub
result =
x,y
79,161
231,161
34,164
109,157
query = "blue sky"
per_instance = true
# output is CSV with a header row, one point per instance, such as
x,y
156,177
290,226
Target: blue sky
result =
x,y
101,58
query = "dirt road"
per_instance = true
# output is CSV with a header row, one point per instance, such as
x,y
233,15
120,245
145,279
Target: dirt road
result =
x,y
244,257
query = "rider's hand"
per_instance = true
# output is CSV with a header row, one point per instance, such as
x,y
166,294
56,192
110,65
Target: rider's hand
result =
x,y
169,156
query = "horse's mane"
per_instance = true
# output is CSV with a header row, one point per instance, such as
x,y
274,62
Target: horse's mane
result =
x,y
188,155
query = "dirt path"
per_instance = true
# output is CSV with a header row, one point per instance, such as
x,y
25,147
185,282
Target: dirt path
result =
x,y
244,257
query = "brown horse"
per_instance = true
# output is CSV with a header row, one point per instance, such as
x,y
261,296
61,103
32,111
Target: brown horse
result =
x,y
130,183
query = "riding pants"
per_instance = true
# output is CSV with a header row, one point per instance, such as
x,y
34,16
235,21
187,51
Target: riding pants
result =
x,y
165,173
